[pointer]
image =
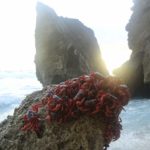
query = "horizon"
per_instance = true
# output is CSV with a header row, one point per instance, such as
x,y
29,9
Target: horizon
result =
x,y
107,21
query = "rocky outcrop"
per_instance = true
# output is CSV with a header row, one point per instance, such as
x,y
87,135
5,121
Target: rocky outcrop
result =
x,y
79,114
136,72
85,133
65,48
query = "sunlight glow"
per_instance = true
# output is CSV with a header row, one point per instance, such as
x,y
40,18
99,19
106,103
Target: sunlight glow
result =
x,y
107,19
115,55
17,34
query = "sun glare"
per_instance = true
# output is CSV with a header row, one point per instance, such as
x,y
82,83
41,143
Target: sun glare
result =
x,y
115,56
108,20
17,35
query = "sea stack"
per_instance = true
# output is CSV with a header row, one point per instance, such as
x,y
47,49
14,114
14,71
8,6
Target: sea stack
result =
x,y
65,48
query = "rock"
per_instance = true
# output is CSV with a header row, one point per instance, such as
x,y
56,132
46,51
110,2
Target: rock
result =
x,y
85,133
65,48
86,117
136,71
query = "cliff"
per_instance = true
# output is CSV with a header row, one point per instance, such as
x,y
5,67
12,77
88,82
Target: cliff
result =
x,y
136,71
65,48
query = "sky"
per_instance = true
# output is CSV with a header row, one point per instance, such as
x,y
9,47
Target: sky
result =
x,y
107,18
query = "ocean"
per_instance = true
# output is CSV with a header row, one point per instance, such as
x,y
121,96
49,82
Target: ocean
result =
x,y
14,86
136,127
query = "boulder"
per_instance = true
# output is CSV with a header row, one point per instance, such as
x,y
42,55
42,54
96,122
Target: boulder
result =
x,y
78,114
65,48
136,71
86,133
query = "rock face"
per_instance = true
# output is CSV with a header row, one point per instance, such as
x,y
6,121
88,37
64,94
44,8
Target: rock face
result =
x,y
65,48
85,133
136,72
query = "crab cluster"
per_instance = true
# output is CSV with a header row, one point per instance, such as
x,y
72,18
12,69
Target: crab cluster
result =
x,y
86,95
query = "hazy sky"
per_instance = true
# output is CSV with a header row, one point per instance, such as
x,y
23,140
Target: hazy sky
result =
x,y
107,18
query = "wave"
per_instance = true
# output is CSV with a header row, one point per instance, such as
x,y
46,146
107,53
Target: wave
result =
x,y
15,85
136,127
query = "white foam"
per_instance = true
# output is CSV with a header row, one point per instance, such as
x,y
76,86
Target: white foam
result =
x,y
14,87
136,127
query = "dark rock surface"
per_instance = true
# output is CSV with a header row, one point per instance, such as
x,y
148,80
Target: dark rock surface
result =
x,y
136,71
85,133
65,48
